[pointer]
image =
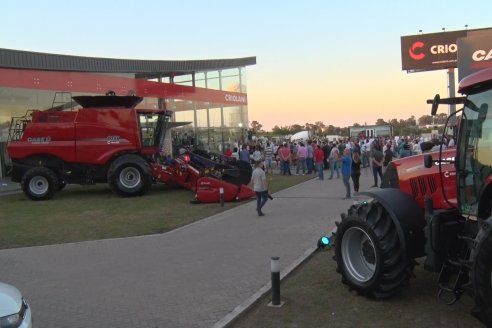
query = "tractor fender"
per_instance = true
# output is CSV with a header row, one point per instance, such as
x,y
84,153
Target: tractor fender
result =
x,y
407,216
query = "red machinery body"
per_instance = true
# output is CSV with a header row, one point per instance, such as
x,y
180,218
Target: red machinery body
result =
x,y
207,188
436,206
406,175
110,140
88,135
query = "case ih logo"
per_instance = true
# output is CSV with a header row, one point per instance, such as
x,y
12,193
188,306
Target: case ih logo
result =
x,y
113,140
39,140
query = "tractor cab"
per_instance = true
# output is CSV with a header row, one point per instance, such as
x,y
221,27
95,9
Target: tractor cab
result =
x,y
474,144
474,151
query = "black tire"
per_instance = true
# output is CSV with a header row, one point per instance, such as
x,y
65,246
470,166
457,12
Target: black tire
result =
x,y
129,176
39,183
369,254
481,273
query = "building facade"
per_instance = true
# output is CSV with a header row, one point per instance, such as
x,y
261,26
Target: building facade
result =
x,y
371,131
208,97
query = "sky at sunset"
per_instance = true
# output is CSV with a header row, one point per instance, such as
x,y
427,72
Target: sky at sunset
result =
x,y
338,62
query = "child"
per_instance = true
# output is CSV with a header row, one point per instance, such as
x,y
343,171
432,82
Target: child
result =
x,y
260,186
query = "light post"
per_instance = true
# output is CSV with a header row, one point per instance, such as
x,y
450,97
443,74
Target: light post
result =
x,y
240,125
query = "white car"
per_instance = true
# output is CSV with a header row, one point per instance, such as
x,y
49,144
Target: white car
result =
x,y
14,310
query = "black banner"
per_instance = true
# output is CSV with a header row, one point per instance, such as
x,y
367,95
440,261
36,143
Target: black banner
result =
x,y
426,52
475,52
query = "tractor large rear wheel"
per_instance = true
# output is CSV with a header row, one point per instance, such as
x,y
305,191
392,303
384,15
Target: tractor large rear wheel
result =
x,y
368,252
39,183
481,274
129,176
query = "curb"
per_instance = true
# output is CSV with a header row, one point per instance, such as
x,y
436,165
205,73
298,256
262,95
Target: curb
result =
x,y
235,314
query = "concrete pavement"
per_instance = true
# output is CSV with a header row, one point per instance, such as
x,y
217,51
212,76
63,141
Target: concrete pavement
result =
x,y
200,275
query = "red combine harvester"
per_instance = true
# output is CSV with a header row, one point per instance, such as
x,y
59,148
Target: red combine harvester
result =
x,y
109,140
436,206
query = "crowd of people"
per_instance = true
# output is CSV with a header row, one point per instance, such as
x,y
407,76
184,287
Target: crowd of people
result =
x,y
342,158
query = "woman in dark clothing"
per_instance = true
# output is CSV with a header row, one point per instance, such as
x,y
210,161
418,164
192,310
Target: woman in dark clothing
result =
x,y
356,162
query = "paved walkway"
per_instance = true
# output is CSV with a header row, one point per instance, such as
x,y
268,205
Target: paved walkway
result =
x,y
201,275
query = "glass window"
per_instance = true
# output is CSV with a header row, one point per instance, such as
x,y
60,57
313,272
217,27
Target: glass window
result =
x,y
184,79
232,117
231,84
201,118
213,83
229,72
212,74
214,117
15,102
475,144
200,80
184,116
147,102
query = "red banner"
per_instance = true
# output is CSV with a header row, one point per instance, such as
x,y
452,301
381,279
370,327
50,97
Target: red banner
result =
x,y
100,83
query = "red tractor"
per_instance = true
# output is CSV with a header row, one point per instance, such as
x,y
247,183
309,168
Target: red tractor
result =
x,y
109,140
437,206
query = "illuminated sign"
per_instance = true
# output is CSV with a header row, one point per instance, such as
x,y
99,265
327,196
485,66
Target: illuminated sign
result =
x,y
426,52
236,98
475,52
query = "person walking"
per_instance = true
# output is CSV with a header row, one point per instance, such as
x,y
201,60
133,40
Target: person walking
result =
x,y
319,158
346,171
260,186
356,163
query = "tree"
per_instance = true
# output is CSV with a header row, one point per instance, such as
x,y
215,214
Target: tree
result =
x,y
280,131
256,127
411,121
331,130
296,128
380,121
441,118
425,120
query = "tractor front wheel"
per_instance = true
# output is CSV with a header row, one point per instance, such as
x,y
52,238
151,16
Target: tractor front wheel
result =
x,y
481,274
368,252
39,183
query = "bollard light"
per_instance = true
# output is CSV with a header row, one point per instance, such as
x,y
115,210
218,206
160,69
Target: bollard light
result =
x,y
324,242
275,270
274,264
221,193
